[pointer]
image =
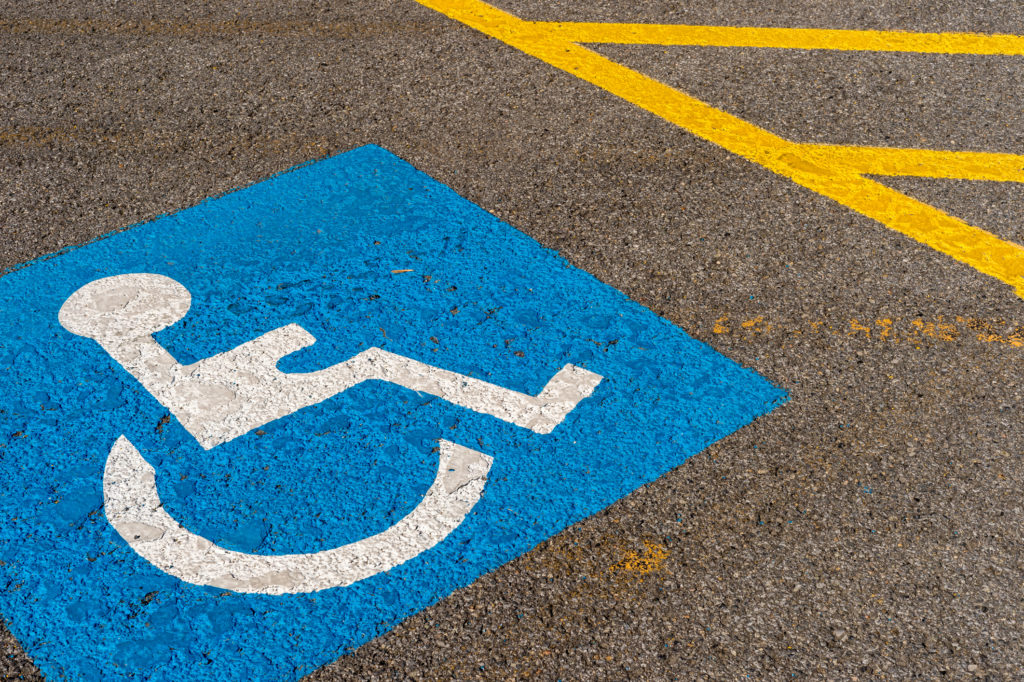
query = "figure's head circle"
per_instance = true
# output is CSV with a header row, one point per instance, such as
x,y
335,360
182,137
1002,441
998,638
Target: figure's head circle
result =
x,y
125,306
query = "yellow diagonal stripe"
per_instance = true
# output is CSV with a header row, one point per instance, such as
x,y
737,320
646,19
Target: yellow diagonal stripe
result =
x,y
833,171
786,38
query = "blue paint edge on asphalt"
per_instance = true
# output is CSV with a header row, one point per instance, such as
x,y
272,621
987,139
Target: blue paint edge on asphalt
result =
x,y
317,246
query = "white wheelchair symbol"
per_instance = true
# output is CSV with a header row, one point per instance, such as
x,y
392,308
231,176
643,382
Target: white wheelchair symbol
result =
x,y
232,393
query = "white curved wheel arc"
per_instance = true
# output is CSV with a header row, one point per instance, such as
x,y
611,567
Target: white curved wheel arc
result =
x,y
132,505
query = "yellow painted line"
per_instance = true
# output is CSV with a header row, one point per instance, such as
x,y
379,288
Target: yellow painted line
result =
x,y
922,163
833,171
786,38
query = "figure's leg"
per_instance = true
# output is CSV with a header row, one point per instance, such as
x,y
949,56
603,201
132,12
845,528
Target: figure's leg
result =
x,y
540,413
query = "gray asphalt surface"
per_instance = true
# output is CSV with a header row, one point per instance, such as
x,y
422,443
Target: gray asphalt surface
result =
x,y
871,527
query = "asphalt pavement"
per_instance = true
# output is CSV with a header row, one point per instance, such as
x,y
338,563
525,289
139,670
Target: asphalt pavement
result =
x,y
869,528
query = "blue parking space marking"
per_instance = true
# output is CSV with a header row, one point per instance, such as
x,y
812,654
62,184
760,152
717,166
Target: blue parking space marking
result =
x,y
241,440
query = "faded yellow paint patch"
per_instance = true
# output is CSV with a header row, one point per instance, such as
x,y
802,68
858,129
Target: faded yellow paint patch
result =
x,y
720,326
856,328
756,325
610,565
889,330
837,172
751,324
937,329
988,331
650,560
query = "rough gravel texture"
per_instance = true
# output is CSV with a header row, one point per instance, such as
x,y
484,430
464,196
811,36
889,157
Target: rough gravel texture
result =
x,y
872,526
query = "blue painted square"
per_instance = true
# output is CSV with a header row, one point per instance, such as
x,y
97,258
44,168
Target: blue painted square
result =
x,y
320,246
